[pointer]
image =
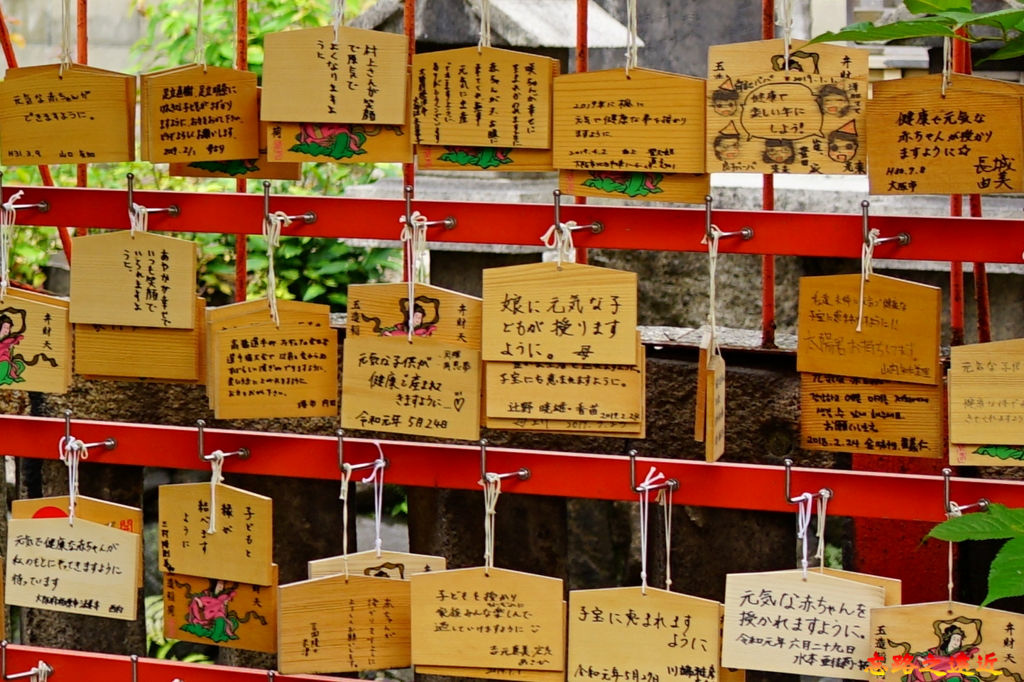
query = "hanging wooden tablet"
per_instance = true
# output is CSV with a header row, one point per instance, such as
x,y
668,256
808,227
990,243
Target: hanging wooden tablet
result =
x,y
727,674
714,410
482,97
137,280
239,550
852,414
985,403
386,565
221,612
648,121
945,640
35,343
358,76
700,406
335,624
899,337
199,113
426,389
658,635
86,568
766,118
782,622
105,513
686,188
892,587
463,157
382,310
86,115
966,140
543,312
339,143
505,620
141,353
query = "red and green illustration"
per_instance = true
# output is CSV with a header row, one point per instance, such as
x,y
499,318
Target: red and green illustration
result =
x,y
1001,451
481,157
336,140
631,184
210,615
233,167
12,332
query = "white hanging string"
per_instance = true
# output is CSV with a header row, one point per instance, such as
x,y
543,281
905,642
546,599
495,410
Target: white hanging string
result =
x,y
823,497
65,37
631,36
200,57
138,218
713,349
867,253
784,18
666,502
8,217
947,62
272,225
42,671
803,520
951,513
559,238
376,477
415,237
650,481
485,25
339,18
71,451
492,490
216,478
346,477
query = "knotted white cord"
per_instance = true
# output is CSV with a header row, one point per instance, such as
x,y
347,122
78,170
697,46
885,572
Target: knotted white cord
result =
x,y
346,477
415,237
631,36
713,349
559,238
65,37
376,477
216,465
666,502
485,25
823,497
951,513
138,218
42,671
784,18
200,56
644,489
71,451
492,490
867,252
272,225
803,517
8,217
339,18
947,62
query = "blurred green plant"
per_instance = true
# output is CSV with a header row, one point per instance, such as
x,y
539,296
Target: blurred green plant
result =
x,y
159,646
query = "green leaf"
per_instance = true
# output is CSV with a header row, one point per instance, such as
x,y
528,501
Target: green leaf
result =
x,y
1014,48
997,523
312,291
1006,575
866,32
937,6
1004,19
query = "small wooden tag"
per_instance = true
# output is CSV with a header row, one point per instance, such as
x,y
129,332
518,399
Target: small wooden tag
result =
x,y
438,314
221,613
700,407
659,634
503,159
339,143
337,623
899,337
684,188
985,383
239,550
388,565
714,429
86,568
35,343
140,280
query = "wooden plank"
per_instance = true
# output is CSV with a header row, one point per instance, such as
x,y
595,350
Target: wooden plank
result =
x,y
986,455
686,188
423,388
35,343
87,568
455,617
700,408
892,587
339,143
385,565
240,548
654,635
438,314
899,337
336,623
763,118
354,76
835,644
648,121
493,673
714,444
570,427
851,414
927,142
985,403
464,157
221,613
139,280
543,312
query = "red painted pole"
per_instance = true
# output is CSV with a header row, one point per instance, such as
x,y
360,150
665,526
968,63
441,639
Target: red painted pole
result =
x,y
82,172
980,270
582,65
409,169
767,204
241,63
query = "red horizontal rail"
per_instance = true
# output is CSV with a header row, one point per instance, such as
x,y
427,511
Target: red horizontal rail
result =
x,y
736,486
982,240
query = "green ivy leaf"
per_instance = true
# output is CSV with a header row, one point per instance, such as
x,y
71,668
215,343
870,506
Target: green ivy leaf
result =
x,y
1006,575
1014,48
866,32
997,523
1004,19
937,6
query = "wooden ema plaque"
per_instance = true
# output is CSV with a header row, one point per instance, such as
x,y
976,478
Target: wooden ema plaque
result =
x,y
482,97
119,516
135,280
543,312
700,406
358,76
684,188
986,455
782,622
382,310
985,403
462,157
337,624
221,612
424,388
199,113
339,143
851,414
570,427
892,587
714,409
899,337
239,550
727,674
35,343
87,568
966,141
944,640
387,564
648,121
86,115
659,635
505,620
762,118
142,353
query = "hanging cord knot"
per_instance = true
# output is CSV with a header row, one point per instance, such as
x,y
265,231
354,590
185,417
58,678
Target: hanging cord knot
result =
x,y
72,451
65,38
273,223
376,476
339,18
716,235
346,477
631,36
42,671
665,497
8,217
823,497
803,521
947,62
867,253
492,490
485,25
138,218
217,477
644,488
200,55
559,238
414,235
784,18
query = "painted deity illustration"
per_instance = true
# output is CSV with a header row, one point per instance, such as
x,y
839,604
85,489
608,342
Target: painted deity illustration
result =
x,y
336,140
233,167
1003,452
210,615
631,184
480,157
426,313
13,363
957,657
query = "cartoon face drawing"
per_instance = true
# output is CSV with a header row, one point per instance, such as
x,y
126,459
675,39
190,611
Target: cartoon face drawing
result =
x,y
833,101
727,147
842,147
725,102
778,151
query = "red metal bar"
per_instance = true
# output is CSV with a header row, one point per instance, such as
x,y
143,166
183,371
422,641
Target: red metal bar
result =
x,y
768,204
956,283
82,17
738,486
241,63
582,66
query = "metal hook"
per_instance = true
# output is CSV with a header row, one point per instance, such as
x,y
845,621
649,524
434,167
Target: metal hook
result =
x,y
41,206
349,468
32,672
448,223
171,210
745,232
243,453
109,443
952,508
671,483
309,217
903,237
134,658
522,474
824,492
596,227
271,674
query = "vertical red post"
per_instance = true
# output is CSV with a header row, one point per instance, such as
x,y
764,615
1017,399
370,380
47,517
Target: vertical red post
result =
x,y
242,63
980,271
582,65
82,35
409,169
768,204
